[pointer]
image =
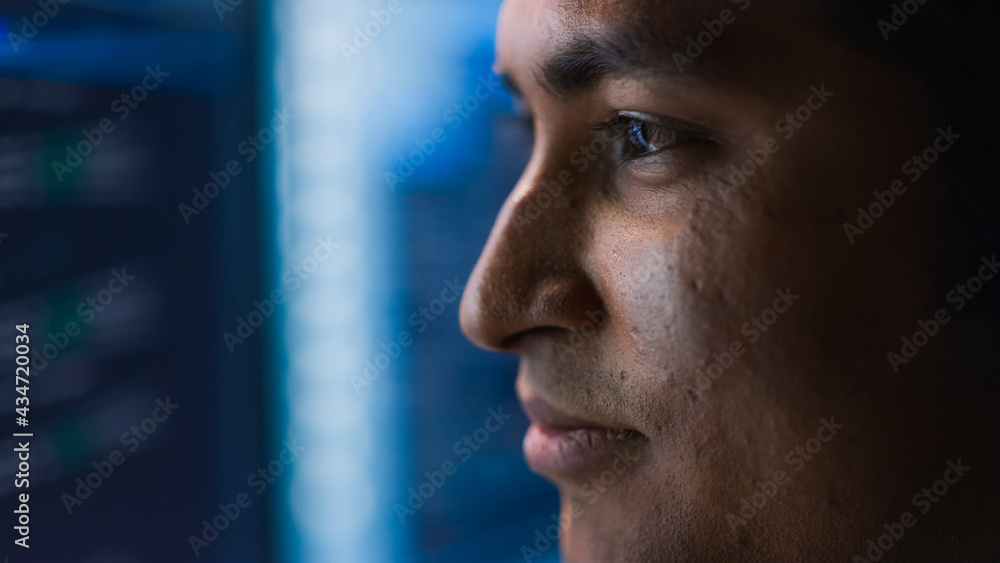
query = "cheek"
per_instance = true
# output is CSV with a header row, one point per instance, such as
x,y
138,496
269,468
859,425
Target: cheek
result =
x,y
683,286
652,276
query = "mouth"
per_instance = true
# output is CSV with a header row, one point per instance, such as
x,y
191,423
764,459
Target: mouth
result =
x,y
560,444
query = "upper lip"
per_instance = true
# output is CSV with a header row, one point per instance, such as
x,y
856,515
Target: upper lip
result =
x,y
541,411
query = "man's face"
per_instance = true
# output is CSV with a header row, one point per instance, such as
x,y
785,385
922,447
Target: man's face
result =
x,y
674,270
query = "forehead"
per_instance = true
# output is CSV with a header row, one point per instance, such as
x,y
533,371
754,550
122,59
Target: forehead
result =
x,y
744,40
557,22
656,13
589,12
666,15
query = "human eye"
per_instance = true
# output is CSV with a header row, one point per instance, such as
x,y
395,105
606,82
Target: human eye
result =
x,y
645,135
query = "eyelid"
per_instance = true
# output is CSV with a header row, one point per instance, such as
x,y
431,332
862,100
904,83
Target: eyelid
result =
x,y
675,124
521,110
508,83
640,116
670,125
681,134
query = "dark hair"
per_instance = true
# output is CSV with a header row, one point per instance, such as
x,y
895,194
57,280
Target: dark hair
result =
x,y
953,47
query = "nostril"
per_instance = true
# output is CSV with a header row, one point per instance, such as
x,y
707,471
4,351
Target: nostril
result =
x,y
501,304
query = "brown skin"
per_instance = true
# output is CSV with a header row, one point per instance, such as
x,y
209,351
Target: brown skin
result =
x,y
679,267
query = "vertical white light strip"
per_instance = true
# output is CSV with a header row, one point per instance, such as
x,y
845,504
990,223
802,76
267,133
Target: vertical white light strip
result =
x,y
321,183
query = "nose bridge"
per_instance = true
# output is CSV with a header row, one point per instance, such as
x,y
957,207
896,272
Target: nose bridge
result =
x,y
531,272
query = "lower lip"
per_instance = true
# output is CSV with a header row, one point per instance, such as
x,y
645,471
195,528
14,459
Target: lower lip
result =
x,y
559,451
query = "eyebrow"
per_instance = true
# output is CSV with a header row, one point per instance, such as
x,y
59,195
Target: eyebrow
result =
x,y
584,62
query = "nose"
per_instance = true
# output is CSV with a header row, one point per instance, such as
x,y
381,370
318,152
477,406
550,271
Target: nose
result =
x,y
533,271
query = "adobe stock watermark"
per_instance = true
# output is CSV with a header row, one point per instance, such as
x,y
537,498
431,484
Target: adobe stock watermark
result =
x,y
588,329
796,459
544,540
367,32
578,338
122,107
696,44
464,449
453,117
132,438
925,501
258,481
30,26
899,16
958,298
2,237
87,310
250,148
420,320
291,280
787,126
753,329
581,159
913,168
223,7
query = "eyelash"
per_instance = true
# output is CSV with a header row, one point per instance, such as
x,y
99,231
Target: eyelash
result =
x,y
656,137
630,126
